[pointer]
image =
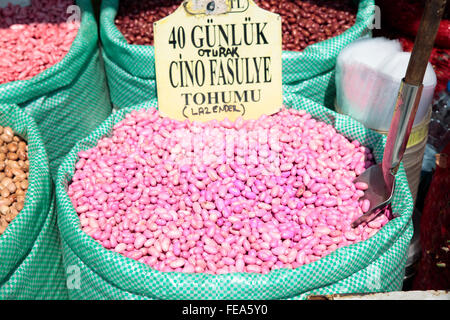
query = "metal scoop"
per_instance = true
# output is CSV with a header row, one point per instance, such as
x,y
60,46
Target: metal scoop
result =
x,y
381,177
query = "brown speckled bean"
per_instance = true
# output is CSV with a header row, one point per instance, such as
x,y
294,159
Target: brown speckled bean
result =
x,y
14,168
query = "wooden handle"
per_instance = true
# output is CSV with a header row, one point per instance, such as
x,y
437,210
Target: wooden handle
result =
x,y
423,45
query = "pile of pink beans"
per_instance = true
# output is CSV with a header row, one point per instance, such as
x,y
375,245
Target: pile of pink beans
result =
x,y
222,197
34,38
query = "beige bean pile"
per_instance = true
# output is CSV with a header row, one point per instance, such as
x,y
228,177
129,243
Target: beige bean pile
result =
x,y
14,170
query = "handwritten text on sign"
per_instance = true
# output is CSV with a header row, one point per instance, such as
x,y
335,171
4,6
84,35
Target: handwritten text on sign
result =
x,y
219,66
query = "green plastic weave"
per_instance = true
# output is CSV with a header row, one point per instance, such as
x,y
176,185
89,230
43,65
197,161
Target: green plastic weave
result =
x,y
375,265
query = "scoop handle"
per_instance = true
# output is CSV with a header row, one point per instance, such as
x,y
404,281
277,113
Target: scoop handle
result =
x,y
411,90
424,42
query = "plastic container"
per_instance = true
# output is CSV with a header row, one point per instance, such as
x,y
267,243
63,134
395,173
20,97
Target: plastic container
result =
x,y
367,88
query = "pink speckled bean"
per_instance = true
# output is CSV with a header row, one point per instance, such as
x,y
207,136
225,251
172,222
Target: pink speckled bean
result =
x,y
182,200
361,186
365,206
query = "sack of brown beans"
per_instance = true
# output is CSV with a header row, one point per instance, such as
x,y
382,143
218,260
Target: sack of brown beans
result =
x,y
314,32
31,264
153,208
50,67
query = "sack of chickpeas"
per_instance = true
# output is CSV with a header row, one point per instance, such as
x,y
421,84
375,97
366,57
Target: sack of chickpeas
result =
x,y
50,67
31,265
154,208
314,32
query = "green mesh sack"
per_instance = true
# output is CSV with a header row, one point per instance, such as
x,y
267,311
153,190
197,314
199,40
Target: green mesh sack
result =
x,y
131,74
31,265
375,265
130,69
70,99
